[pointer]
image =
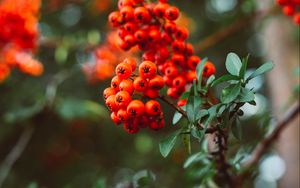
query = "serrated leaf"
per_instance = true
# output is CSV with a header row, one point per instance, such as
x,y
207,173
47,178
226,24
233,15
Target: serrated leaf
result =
x,y
230,93
246,95
193,158
261,70
199,70
176,118
224,78
233,64
167,144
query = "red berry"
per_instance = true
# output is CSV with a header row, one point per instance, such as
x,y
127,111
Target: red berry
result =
x,y
140,84
147,69
111,104
136,108
108,92
115,82
126,85
122,115
172,13
156,83
123,71
152,108
122,99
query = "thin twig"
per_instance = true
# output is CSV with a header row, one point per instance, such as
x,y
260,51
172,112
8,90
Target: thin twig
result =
x,y
264,145
15,153
177,108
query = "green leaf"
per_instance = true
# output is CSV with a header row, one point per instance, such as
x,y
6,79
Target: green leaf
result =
x,y
236,130
246,95
230,93
261,70
244,67
199,134
233,64
192,107
176,118
210,80
224,78
199,70
167,144
193,159
185,95
201,114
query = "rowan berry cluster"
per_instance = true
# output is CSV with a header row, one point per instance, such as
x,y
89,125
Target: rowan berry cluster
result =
x,y
168,60
291,8
18,37
152,27
125,86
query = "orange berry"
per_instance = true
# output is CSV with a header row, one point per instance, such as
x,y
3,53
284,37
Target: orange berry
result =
x,y
122,115
151,93
156,83
209,69
126,85
123,71
136,108
115,82
115,118
111,104
122,99
152,108
108,92
147,69
140,84
131,62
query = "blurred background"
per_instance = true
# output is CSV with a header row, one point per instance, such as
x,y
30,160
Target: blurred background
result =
x,y
73,143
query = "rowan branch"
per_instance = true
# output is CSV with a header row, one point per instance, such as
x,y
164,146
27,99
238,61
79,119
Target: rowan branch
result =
x,y
15,153
264,145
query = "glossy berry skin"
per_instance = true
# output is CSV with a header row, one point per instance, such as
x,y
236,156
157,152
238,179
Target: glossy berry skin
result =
x,y
122,99
115,19
156,83
140,84
136,108
179,82
131,62
111,104
127,13
123,71
108,92
115,118
147,69
131,128
151,93
115,82
182,102
142,15
193,62
126,85
152,108
209,69
172,13
122,115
